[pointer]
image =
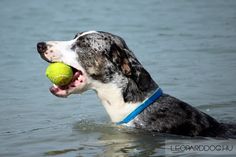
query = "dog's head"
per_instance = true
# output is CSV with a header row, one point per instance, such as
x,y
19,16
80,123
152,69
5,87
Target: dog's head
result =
x,y
98,57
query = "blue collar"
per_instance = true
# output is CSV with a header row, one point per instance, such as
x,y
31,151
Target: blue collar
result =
x,y
156,95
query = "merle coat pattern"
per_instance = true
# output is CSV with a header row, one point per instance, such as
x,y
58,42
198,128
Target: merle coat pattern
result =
x,y
108,66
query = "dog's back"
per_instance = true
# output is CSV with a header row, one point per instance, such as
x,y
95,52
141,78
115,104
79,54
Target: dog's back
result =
x,y
171,115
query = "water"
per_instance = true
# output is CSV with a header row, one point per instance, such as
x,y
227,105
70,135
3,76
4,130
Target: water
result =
x,y
188,46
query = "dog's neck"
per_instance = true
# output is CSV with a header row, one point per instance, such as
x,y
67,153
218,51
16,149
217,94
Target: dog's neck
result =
x,y
112,98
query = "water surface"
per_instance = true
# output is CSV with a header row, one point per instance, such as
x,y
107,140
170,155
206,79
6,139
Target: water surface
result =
x,y
188,47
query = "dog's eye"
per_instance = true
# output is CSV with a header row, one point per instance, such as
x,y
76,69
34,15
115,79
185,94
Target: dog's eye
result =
x,y
76,35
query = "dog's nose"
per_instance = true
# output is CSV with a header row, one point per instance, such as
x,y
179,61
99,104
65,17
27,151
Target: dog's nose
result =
x,y
41,47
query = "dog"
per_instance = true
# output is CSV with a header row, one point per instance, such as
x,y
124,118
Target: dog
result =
x,y
103,62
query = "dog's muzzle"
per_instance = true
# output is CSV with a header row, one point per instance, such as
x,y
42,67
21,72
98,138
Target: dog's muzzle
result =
x,y
79,81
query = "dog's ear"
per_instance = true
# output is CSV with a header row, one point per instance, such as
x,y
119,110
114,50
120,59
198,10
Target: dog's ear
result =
x,y
139,80
127,63
119,57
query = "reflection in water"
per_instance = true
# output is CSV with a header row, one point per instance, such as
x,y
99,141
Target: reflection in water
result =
x,y
120,141
58,152
113,141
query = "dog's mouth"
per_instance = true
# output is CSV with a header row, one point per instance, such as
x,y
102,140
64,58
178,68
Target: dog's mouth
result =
x,y
76,85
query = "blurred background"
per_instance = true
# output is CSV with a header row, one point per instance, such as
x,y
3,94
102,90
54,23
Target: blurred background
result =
x,y
188,46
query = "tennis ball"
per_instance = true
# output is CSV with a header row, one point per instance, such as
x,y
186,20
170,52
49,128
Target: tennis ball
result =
x,y
59,73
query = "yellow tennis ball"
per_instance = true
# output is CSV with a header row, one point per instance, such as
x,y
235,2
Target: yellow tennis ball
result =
x,y
59,73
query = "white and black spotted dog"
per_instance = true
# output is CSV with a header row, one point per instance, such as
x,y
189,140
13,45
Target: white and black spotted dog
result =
x,y
102,62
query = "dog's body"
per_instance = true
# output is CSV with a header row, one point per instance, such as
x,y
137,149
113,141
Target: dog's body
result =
x,y
103,62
